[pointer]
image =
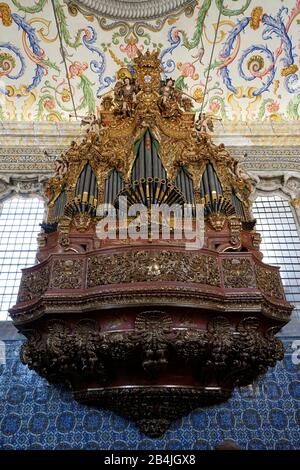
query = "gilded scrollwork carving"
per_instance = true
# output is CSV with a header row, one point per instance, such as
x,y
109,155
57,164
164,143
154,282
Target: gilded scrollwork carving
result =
x,y
34,284
235,226
217,220
67,274
140,100
268,281
238,273
83,221
142,266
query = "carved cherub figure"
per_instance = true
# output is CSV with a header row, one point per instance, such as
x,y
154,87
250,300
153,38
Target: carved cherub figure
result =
x,y
186,103
167,90
54,184
204,123
125,96
74,145
60,168
170,100
107,103
92,122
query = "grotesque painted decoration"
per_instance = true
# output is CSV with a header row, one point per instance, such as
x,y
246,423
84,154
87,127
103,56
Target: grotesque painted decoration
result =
x,y
253,75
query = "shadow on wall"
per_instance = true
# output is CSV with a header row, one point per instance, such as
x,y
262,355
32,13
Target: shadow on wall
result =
x,y
228,444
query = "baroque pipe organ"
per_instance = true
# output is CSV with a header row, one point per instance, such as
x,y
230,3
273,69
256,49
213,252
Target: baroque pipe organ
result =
x,y
141,325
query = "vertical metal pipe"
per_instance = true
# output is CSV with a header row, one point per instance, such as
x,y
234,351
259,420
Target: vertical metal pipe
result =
x,y
106,200
141,158
109,183
155,161
147,155
81,182
206,186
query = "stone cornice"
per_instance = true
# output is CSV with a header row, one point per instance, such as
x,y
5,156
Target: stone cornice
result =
x,y
283,134
15,133
267,146
280,134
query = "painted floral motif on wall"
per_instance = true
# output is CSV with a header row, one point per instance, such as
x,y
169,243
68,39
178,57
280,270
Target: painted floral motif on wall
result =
x,y
254,72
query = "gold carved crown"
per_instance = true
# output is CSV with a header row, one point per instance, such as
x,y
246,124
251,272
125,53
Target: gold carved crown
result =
x,y
149,59
148,69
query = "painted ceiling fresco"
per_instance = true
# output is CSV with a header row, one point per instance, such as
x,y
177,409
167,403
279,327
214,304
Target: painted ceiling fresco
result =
x,y
254,72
